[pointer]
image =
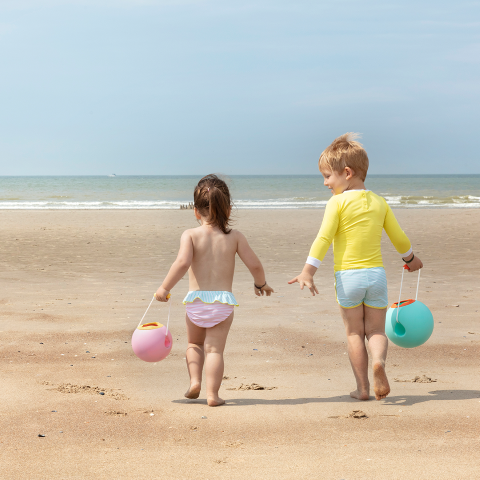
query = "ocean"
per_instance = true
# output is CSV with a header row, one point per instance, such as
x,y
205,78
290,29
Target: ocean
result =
x,y
248,192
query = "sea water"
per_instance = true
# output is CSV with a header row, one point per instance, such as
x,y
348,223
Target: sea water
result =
x,y
255,191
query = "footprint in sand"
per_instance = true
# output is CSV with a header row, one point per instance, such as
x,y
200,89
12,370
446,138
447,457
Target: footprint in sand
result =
x,y
252,386
417,379
357,414
87,389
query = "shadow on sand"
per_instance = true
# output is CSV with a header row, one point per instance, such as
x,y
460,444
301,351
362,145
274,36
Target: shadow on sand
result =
x,y
435,395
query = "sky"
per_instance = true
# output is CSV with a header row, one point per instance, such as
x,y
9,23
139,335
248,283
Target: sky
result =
x,y
153,87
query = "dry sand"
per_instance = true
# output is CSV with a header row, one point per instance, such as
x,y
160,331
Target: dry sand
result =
x,y
74,287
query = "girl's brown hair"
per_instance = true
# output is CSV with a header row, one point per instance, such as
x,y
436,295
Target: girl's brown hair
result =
x,y
212,200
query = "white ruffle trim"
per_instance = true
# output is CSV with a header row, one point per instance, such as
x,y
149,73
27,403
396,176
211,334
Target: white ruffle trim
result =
x,y
210,296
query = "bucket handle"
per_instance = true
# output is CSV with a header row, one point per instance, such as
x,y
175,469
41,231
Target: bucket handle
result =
x,y
169,307
405,267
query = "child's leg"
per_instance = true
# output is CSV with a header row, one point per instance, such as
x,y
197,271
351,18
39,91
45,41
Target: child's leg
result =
x,y
214,346
377,344
195,357
353,319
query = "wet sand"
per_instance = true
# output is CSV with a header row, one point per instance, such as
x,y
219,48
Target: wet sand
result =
x,y
76,283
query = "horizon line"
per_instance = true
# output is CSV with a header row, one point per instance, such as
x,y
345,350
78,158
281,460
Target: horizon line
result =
x,y
246,175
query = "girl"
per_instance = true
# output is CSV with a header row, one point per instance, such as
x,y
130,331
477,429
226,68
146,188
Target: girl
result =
x,y
208,253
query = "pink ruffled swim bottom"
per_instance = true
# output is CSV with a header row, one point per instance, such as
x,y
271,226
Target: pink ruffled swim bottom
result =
x,y
208,315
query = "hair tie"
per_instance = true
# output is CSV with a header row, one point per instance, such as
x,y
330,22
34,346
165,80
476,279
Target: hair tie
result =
x,y
208,189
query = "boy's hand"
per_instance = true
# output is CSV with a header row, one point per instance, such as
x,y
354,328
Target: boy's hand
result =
x,y
267,289
304,279
414,265
162,295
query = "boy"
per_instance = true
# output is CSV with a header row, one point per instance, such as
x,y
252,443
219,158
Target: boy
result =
x,y
354,219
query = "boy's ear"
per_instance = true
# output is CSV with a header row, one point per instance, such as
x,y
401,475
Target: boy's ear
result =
x,y
350,173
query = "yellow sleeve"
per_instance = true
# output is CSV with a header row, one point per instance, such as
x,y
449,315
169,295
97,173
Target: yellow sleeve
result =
x,y
328,229
396,234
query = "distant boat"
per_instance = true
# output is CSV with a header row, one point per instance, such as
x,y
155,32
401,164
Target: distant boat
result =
x,y
112,175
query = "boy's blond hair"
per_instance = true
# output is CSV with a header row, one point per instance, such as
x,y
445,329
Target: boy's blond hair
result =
x,y
343,152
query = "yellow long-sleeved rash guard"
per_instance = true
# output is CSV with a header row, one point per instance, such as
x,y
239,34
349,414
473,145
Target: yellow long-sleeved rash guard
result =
x,y
354,220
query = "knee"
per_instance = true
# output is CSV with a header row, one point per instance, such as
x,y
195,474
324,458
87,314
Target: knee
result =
x,y
378,331
355,333
209,348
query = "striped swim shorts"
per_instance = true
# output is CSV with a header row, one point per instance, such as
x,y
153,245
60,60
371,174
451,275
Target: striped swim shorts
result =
x,y
365,285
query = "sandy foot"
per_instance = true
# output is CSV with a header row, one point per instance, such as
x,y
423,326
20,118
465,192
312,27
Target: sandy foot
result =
x,y
360,395
215,401
380,381
193,391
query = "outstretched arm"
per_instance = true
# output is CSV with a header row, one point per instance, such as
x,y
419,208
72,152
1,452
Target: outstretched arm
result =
x,y
179,267
319,248
251,261
305,279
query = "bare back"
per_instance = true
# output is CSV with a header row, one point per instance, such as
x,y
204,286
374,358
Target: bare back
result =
x,y
213,262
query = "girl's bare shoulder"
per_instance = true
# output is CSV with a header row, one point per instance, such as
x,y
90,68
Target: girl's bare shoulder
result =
x,y
192,231
189,235
237,234
238,238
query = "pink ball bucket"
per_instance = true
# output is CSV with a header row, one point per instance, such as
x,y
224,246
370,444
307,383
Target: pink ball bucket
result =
x,y
151,342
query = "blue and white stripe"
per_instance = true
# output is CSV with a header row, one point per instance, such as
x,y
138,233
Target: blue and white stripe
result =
x,y
363,285
211,296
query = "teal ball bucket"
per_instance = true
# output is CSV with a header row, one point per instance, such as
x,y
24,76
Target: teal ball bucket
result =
x,y
413,326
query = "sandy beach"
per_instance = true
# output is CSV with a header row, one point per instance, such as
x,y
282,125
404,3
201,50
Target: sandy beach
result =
x,y
76,283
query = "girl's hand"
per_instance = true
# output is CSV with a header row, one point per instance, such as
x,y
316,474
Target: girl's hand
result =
x,y
267,289
162,295
304,279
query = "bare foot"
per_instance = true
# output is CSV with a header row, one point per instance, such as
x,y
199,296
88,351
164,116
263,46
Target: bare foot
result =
x,y
215,401
380,381
360,394
193,391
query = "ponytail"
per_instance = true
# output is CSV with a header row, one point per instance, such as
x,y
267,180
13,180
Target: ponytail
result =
x,y
212,200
